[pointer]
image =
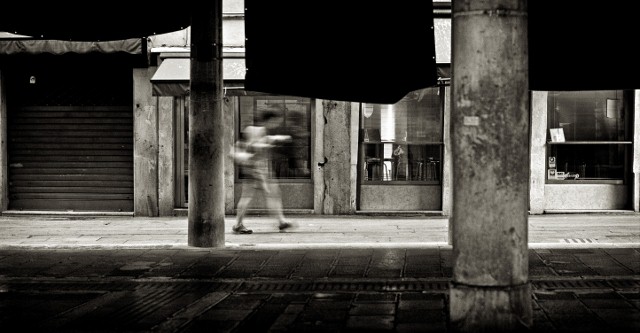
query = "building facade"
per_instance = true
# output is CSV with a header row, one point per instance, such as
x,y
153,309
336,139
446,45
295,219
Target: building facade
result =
x,y
105,127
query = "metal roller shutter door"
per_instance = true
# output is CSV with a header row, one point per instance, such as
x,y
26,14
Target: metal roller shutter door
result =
x,y
71,157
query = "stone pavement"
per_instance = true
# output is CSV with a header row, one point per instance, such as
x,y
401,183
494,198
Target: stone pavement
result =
x,y
331,274
66,230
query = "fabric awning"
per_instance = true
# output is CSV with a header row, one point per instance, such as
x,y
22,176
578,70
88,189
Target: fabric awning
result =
x,y
173,75
57,47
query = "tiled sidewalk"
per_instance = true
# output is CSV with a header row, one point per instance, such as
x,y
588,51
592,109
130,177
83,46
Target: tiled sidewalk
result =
x,y
339,274
572,230
295,290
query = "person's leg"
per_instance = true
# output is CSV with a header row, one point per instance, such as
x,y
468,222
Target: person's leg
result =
x,y
243,204
274,200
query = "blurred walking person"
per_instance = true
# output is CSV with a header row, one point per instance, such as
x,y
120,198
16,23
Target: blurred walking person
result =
x,y
253,155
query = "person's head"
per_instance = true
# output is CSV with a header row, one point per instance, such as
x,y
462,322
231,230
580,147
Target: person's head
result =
x,y
271,118
253,133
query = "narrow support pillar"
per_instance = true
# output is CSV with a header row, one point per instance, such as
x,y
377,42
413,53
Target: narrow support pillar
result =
x,y
490,134
206,129
636,154
337,151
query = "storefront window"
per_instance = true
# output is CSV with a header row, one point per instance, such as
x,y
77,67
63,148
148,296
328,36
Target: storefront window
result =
x,y
402,142
588,136
290,160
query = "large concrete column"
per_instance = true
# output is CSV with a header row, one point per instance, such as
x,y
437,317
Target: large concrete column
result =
x,y
206,129
490,291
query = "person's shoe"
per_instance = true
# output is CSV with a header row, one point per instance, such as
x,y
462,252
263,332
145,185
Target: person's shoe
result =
x,y
241,230
286,225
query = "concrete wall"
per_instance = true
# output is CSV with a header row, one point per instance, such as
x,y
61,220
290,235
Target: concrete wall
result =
x,y
166,156
146,144
568,197
413,198
355,144
4,159
636,153
447,191
228,110
337,198
538,151
318,161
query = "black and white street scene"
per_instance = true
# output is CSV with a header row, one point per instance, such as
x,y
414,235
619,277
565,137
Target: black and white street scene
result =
x,y
320,166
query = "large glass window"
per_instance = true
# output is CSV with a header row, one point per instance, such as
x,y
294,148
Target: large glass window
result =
x,y
289,160
402,142
588,136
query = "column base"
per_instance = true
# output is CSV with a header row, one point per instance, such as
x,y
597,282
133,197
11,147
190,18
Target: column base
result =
x,y
490,309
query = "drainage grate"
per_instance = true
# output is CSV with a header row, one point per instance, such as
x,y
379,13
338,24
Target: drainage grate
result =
x,y
580,240
570,284
586,284
70,285
98,286
337,286
287,286
231,286
624,284
184,286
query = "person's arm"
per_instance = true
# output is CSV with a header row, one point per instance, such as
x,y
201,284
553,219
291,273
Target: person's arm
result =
x,y
240,154
278,138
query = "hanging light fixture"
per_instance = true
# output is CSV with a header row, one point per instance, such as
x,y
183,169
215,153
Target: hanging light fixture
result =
x,y
368,110
613,107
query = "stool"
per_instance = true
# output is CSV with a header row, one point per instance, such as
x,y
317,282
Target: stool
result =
x,y
432,170
417,170
398,166
372,168
373,165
